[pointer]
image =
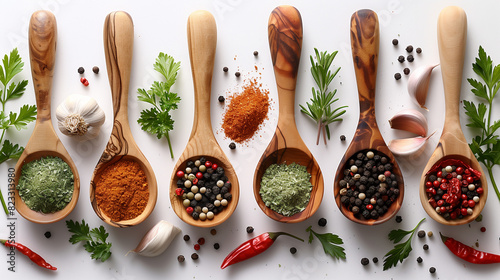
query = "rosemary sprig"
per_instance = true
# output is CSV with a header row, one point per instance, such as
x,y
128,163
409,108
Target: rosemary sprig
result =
x,y
320,109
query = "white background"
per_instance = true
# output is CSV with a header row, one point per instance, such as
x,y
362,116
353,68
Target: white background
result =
x,y
160,26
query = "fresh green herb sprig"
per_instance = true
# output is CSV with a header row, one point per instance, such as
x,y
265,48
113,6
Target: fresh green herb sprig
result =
x,y
330,243
157,120
11,66
486,145
402,250
320,108
95,239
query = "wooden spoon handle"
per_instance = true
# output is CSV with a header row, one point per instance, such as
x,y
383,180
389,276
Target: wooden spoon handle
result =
x,y
118,48
285,43
452,35
202,42
365,39
42,47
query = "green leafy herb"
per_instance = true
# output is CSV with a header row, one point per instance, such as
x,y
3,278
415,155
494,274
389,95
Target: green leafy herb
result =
x,y
330,243
157,120
9,90
95,239
401,250
486,145
320,107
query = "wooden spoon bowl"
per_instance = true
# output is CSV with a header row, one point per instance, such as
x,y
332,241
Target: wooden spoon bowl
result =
x,y
286,146
118,47
452,36
202,41
365,45
44,141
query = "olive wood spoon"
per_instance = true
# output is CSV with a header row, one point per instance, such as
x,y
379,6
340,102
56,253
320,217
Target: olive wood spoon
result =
x,y
118,48
202,42
44,141
452,36
365,38
286,146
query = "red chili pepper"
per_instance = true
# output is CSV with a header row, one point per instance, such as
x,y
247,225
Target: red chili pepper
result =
x,y
34,257
253,247
467,253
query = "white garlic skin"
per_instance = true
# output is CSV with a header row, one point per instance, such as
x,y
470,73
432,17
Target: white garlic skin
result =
x,y
157,240
410,120
408,146
86,109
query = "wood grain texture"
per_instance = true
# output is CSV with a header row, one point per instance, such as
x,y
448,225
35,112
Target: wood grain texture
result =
x,y
118,48
202,41
285,43
44,141
365,39
452,37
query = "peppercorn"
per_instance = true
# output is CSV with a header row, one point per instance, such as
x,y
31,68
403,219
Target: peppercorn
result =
x,y
429,233
342,137
225,69
401,59
197,247
375,260
47,234
365,261
409,48
482,229
322,222
221,99
194,256
419,260
186,237
213,231
232,146
201,241
255,53
237,74
406,71
249,229
395,42
425,247
81,70
432,269
397,76
410,58
421,234
216,246
293,250
419,50
84,81
180,258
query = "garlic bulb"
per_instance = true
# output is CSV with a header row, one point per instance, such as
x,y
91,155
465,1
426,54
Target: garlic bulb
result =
x,y
157,240
81,116
418,84
408,146
410,120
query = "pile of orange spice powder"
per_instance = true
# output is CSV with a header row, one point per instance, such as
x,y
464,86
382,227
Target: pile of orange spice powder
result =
x,y
246,112
122,191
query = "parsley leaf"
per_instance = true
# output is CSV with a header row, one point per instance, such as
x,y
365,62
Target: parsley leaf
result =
x,y
486,145
402,250
9,151
95,239
157,120
330,243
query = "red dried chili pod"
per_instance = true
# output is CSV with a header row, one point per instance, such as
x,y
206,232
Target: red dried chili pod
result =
x,y
467,253
253,247
34,257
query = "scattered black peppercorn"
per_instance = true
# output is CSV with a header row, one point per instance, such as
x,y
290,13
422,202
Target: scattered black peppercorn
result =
x,y
232,146
322,222
410,58
213,231
216,246
342,137
255,53
397,76
186,237
426,247
365,261
237,74
432,269
419,50
421,233
95,69
401,58
180,258
81,70
225,69
419,260
375,260
221,99
249,229
409,48
395,42
194,256
47,234
293,250
406,71
399,219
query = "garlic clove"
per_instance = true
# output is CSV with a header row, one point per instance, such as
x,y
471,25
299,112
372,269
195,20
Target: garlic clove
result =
x,y
418,84
157,239
408,146
410,120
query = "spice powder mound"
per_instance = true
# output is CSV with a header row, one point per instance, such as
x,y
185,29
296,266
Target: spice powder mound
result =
x,y
122,190
246,112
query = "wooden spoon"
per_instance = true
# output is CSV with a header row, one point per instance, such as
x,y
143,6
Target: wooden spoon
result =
x,y
118,46
202,41
365,45
44,141
285,43
452,35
